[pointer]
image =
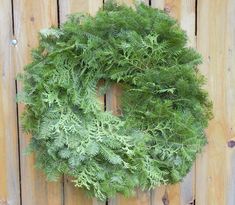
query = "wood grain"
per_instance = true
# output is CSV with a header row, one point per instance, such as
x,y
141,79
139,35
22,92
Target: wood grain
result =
x,y
173,7
73,195
159,4
187,188
187,21
9,172
72,6
141,198
29,18
159,196
230,84
215,41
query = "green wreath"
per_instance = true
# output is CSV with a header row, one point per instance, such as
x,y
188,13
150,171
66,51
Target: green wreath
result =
x,y
164,107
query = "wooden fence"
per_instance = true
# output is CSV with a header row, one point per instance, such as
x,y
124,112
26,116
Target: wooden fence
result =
x,y
210,25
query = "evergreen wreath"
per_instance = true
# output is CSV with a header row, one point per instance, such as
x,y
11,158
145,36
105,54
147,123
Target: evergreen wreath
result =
x,y
164,107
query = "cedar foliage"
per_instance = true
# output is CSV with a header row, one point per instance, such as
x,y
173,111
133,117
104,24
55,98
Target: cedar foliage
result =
x,y
164,108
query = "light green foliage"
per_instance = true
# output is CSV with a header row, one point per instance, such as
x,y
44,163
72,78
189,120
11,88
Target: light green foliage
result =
x,y
165,109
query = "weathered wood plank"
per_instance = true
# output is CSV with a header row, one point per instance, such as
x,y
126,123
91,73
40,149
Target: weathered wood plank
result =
x,y
141,198
158,4
173,7
113,104
29,18
72,6
172,192
230,196
187,21
187,188
203,47
159,194
184,12
230,189
9,172
73,195
215,41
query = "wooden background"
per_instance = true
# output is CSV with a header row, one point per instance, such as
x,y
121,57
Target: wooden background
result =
x,y
210,25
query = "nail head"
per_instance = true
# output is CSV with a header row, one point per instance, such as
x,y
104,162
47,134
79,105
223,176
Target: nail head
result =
x,y
14,42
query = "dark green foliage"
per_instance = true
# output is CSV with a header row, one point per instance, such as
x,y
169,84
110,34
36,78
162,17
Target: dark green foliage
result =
x,y
164,108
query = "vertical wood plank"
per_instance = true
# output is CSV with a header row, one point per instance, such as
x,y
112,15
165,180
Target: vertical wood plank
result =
x,y
230,84
187,188
73,195
159,194
159,4
173,191
71,6
202,37
188,20
9,172
230,188
184,11
141,198
183,193
29,18
173,7
112,104
215,40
